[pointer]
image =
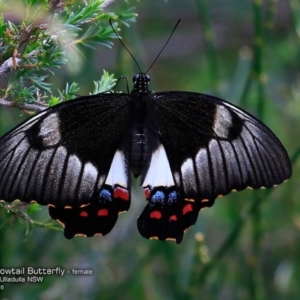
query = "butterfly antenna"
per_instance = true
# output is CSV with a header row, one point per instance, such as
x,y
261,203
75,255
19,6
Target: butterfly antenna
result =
x,y
124,45
157,56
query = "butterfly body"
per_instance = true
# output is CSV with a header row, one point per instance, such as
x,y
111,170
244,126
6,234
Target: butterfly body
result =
x,y
186,148
139,133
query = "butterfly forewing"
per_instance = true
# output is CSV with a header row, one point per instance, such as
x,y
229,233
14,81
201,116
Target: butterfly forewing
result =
x,y
213,147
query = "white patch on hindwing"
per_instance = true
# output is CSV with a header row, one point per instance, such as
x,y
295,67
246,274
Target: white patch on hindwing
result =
x,y
203,169
202,160
49,130
89,172
189,176
187,167
88,180
55,170
159,172
73,169
222,121
117,173
177,177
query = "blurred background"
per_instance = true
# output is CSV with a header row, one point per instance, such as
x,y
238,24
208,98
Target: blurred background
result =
x,y
247,246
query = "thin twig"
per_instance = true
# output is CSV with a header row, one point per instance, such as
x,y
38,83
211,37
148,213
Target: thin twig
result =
x,y
22,106
8,64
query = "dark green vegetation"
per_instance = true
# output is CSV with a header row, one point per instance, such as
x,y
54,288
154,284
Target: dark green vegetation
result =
x,y
247,245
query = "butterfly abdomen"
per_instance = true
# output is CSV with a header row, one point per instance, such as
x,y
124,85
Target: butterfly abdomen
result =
x,y
139,149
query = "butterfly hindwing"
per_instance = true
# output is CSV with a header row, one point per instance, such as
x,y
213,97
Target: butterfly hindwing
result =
x,y
70,157
100,215
97,218
168,214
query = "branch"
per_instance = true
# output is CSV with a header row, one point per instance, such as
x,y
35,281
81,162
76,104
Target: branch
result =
x,y
24,107
8,64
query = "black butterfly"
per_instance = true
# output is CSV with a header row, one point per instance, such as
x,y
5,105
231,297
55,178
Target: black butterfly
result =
x,y
187,148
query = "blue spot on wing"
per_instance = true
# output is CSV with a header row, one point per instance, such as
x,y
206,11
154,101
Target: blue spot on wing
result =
x,y
173,196
159,196
105,194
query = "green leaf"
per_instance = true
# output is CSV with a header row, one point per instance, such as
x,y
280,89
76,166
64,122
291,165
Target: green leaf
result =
x,y
105,84
33,207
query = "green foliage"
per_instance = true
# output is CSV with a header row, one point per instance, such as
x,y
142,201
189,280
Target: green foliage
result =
x,y
31,49
106,83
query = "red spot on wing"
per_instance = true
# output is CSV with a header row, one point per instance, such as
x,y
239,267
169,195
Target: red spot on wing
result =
x,y
147,193
102,212
155,215
83,214
173,218
121,193
188,208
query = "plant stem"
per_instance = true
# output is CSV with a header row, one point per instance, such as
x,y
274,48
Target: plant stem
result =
x,y
211,54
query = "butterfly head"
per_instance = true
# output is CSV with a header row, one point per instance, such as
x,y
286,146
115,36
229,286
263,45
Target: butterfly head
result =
x,y
141,82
